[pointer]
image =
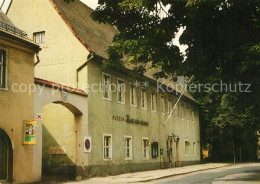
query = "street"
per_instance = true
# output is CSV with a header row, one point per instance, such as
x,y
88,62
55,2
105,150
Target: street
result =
x,y
238,174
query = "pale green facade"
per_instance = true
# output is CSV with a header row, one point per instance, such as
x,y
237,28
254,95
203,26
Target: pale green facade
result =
x,y
101,122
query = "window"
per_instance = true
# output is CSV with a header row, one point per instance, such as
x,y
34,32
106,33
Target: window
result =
x,y
162,104
128,148
39,37
187,114
176,110
120,91
182,112
194,148
155,150
106,86
144,99
107,147
145,148
133,101
3,69
186,148
192,116
153,101
169,106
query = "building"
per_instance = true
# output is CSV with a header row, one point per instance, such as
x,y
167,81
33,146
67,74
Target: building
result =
x,y
258,145
89,128
18,160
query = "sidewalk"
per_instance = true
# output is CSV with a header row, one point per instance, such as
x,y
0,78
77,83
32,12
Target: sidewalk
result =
x,y
150,175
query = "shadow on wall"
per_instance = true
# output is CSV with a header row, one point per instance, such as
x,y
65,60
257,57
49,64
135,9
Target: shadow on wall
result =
x,y
55,161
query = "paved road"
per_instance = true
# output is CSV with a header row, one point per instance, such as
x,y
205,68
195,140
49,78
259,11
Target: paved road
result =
x,y
240,174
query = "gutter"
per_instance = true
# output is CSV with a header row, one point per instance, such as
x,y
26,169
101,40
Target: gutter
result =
x,y
82,66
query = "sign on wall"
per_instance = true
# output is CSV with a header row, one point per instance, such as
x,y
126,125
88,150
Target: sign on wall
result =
x,y
39,116
30,132
87,144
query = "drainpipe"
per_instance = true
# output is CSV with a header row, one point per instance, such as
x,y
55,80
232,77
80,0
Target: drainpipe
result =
x,y
38,59
82,66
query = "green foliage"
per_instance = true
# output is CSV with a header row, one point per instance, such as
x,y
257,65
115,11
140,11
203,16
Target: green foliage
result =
x,y
223,38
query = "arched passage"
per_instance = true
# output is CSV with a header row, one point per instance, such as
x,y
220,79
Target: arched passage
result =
x,y
59,130
6,157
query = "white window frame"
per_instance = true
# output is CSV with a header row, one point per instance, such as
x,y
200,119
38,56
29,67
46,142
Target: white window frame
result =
x,y
109,94
187,114
153,102
5,63
192,116
133,102
144,147
40,33
186,153
121,89
109,147
194,149
182,112
162,99
176,110
170,106
130,148
144,99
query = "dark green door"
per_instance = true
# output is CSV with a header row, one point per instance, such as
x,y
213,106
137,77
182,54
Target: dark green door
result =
x,y
3,157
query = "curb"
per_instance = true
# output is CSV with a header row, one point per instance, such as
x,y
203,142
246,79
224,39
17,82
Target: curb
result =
x,y
143,181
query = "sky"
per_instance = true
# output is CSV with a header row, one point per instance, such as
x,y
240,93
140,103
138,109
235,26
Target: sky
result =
x,y
91,3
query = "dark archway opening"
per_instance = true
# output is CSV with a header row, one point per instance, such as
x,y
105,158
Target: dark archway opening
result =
x,y
6,157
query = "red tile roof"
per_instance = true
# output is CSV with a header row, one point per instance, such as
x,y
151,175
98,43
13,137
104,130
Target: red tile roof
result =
x,y
59,86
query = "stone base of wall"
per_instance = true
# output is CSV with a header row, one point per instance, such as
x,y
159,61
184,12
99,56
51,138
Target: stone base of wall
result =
x,y
68,172
193,162
104,170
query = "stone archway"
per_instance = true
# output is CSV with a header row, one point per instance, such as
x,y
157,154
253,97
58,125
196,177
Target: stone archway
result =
x,y
60,126
6,157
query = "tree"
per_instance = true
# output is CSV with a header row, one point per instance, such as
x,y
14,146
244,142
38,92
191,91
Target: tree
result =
x,y
223,38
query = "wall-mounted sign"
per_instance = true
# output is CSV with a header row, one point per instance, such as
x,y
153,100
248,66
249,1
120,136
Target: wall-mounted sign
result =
x,y
130,120
118,118
30,132
39,116
87,144
136,121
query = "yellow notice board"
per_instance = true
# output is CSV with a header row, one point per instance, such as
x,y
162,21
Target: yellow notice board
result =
x,y
30,132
